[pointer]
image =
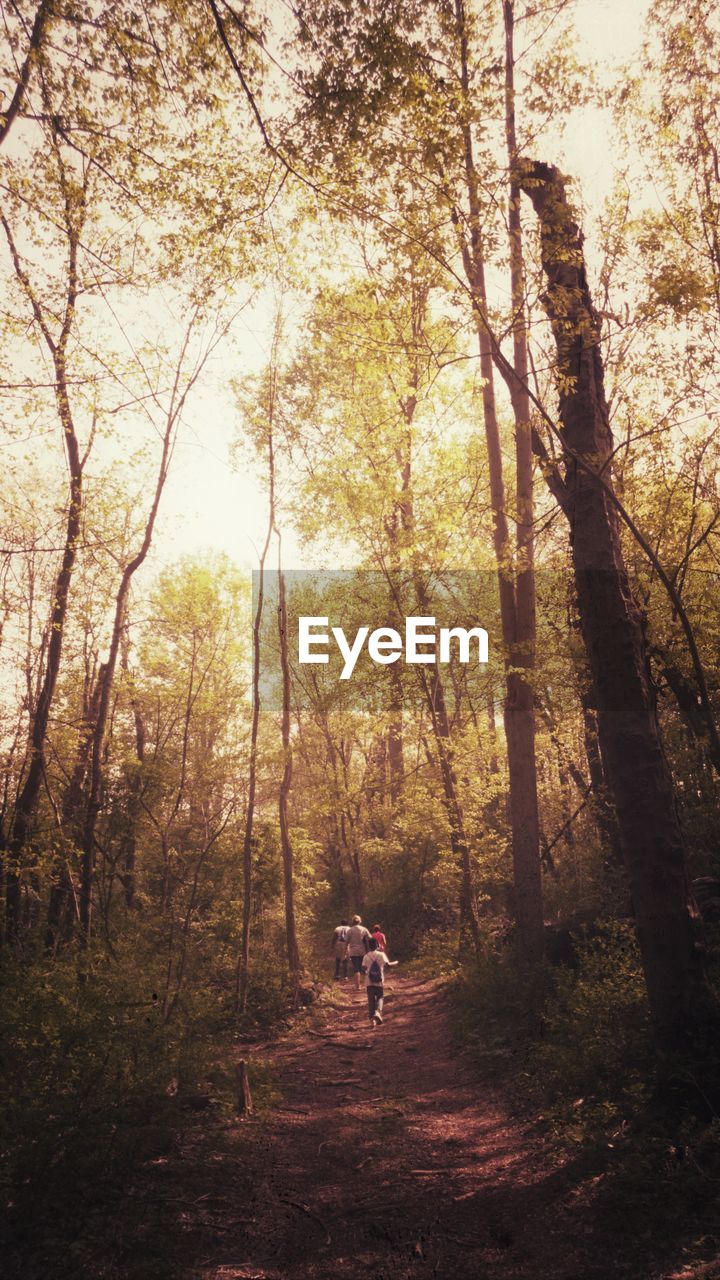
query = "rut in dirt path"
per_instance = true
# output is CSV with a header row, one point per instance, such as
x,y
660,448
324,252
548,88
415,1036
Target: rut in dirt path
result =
x,y
387,1157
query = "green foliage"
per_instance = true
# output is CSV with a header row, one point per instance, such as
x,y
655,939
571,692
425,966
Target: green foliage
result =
x,y
596,1048
577,1042
438,954
93,1078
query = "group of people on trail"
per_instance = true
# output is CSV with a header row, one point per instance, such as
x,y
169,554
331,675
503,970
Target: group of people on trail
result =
x,y
366,952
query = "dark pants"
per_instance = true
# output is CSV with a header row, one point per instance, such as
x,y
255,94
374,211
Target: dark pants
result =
x,y
375,1001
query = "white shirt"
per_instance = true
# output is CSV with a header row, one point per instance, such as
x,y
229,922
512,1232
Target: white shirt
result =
x,y
356,939
382,960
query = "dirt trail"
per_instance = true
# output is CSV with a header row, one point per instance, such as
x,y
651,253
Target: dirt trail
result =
x,y
387,1158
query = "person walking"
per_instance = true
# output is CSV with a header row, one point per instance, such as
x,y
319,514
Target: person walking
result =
x,y
375,963
379,937
338,949
357,944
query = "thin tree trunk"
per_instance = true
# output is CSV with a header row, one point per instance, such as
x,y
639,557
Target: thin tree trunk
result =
x,y
41,21
601,803
435,696
27,799
613,632
242,973
135,789
243,963
293,952
395,755
94,802
517,610
62,889
689,706
520,708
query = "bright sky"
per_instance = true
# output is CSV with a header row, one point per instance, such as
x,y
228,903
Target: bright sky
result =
x,y
211,504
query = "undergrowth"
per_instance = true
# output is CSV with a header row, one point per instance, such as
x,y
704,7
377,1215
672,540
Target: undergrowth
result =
x,y
575,1052
99,1082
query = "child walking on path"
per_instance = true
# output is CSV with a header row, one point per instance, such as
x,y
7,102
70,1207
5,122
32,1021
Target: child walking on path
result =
x,y
374,964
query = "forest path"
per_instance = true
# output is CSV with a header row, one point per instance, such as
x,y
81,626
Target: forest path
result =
x,y
387,1158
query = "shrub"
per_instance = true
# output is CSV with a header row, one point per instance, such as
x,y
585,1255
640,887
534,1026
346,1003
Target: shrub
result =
x,y
577,1042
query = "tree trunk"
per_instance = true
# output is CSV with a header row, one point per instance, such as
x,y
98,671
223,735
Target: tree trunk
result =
x,y
242,973
293,951
613,632
601,803
520,704
27,799
243,964
135,790
469,915
395,754
517,610
38,36
107,676
62,888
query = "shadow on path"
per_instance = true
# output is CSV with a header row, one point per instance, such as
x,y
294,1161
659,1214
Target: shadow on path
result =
x,y
386,1157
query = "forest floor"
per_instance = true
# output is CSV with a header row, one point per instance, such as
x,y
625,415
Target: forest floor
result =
x,y
385,1156
375,1151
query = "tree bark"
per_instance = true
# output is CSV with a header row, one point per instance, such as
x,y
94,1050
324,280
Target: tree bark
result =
x,y
27,799
601,804
37,37
612,629
243,964
395,752
62,888
293,951
242,973
517,600
469,915
107,676
135,791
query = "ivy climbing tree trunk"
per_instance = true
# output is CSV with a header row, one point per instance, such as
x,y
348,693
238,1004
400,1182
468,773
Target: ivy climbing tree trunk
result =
x,y
612,628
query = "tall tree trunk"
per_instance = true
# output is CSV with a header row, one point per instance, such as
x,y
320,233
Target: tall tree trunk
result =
x,y
395,754
293,951
613,632
107,676
135,791
242,974
435,696
517,603
520,708
62,889
38,35
601,804
27,799
243,963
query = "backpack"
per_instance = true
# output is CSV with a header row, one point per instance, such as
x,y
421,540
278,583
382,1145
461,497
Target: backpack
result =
x,y
375,974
